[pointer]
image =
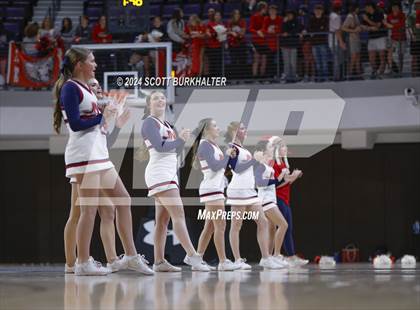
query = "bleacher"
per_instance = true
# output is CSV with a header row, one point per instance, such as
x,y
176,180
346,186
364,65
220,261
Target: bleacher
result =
x,y
15,14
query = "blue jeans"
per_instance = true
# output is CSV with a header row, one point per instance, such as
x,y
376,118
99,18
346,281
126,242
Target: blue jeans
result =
x,y
320,53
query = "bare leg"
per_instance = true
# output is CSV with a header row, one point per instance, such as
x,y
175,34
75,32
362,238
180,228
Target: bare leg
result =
x,y
276,218
382,62
235,228
219,228
262,229
71,227
161,229
205,236
171,201
372,60
263,64
255,64
107,230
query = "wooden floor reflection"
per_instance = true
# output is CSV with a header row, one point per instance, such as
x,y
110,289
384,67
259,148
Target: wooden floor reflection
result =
x,y
345,287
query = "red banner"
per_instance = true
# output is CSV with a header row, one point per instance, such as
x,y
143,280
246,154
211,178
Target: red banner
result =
x,y
30,71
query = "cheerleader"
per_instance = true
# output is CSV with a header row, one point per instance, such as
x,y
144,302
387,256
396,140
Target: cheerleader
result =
x,y
162,181
243,197
266,184
281,165
213,163
86,158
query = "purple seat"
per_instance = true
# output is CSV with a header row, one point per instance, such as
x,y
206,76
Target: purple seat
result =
x,y
12,27
207,6
168,10
190,9
155,10
229,7
95,3
16,12
94,11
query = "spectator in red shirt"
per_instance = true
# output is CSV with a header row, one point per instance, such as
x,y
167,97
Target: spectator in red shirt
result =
x,y
100,32
236,28
216,34
196,32
396,22
272,28
261,50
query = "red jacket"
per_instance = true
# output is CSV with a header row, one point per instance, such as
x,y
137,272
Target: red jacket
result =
x,y
212,41
272,39
398,29
283,192
95,35
239,39
256,23
197,42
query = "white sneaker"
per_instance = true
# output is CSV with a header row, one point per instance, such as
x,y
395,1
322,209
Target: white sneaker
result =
x,y
138,263
270,263
227,265
242,264
119,264
295,261
90,268
197,263
165,266
68,269
281,260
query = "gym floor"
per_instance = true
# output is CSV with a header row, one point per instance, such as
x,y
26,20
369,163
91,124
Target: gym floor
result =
x,y
346,286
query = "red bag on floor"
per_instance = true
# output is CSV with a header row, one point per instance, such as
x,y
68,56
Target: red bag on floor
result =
x,y
350,254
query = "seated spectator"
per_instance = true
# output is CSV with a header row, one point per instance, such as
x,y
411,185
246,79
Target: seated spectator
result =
x,y
336,42
175,29
306,46
47,29
373,21
272,27
158,31
396,22
236,28
100,32
4,49
352,26
67,32
30,39
216,34
289,45
318,28
197,32
261,50
82,32
414,31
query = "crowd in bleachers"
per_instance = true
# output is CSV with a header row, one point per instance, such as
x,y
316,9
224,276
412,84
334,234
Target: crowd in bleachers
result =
x,y
287,40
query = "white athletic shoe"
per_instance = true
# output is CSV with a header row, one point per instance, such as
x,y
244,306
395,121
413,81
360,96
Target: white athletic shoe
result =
x,y
90,268
269,263
197,263
281,260
295,261
165,266
227,265
119,264
68,269
138,263
242,264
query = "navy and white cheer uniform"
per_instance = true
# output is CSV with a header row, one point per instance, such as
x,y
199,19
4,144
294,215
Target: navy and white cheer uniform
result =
x,y
162,143
266,184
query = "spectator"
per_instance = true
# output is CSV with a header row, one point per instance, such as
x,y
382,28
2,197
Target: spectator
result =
x,y
47,29
82,32
306,46
353,27
236,42
158,31
272,28
175,29
67,32
30,39
248,6
396,22
414,31
258,40
289,45
140,59
100,32
197,32
336,42
318,27
216,34
210,17
4,48
373,19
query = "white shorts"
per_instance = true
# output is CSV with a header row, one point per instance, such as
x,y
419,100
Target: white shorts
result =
x,y
240,197
378,44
